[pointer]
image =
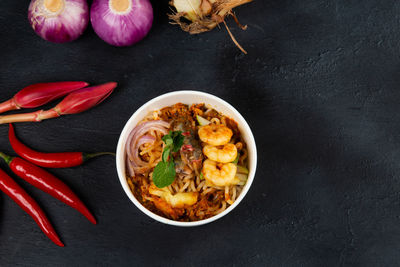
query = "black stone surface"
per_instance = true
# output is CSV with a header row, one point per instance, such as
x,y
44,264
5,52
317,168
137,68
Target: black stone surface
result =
x,y
321,89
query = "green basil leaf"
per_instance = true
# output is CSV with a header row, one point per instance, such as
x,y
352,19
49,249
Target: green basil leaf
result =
x,y
175,134
165,137
178,140
168,140
164,174
165,154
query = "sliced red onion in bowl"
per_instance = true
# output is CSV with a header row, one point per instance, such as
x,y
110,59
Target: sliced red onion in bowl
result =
x,y
129,166
141,129
145,139
121,22
142,140
138,137
58,21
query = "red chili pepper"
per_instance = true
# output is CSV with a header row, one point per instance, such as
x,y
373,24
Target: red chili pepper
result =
x,y
187,148
48,183
49,160
186,134
29,205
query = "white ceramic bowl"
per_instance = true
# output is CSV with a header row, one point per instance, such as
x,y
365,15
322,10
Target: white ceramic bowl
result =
x,y
186,97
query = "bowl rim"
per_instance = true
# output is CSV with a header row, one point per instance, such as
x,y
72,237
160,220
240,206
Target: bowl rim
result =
x,y
120,157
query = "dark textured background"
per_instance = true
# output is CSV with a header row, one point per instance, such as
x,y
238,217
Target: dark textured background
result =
x,y
321,89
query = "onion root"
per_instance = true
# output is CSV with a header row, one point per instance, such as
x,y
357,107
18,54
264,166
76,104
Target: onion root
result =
x,y
205,15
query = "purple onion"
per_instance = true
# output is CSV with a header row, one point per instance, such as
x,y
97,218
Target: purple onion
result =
x,y
138,137
142,140
58,21
121,22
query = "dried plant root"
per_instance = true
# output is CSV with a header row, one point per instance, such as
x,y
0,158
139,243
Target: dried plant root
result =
x,y
243,27
195,27
197,16
234,39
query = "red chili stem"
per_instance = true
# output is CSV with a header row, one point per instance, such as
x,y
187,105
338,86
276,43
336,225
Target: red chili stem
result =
x,y
49,160
29,205
48,183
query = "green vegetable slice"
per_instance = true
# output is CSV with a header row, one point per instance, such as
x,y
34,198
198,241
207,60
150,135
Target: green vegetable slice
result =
x,y
241,176
241,169
202,121
236,160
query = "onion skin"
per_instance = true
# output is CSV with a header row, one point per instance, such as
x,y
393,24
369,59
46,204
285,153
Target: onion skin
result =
x,y
121,29
63,26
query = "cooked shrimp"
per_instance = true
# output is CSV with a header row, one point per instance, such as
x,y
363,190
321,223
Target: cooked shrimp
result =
x,y
219,176
216,135
225,154
178,200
